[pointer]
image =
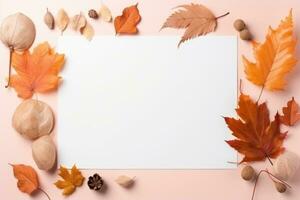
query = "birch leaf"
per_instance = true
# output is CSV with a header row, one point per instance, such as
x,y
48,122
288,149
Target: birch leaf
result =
x,y
62,20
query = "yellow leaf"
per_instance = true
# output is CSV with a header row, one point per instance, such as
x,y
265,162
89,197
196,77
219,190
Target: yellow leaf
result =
x,y
70,180
274,58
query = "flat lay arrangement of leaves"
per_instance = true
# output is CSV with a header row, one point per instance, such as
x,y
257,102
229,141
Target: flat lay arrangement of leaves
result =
x,y
258,136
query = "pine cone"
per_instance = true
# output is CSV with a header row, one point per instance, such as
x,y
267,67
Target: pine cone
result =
x,y
95,182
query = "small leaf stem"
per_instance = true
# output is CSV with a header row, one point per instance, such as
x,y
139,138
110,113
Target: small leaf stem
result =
x,y
43,191
223,15
260,94
11,50
270,175
269,159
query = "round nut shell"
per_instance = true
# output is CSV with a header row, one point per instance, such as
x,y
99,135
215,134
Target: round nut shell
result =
x,y
245,35
239,25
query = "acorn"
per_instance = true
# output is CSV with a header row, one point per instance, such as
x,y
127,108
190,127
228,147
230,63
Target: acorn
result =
x,y
245,35
239,25
280,187
248,173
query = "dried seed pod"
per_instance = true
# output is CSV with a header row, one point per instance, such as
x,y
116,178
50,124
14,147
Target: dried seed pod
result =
x,y
239,25
33,119
248,173
125,181
93,14
245,35
44,152
17,32
49,20
105,13
78,22
95,182
280,187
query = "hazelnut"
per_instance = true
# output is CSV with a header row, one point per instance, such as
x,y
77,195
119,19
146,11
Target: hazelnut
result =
x,y
239,25
248,173
245,35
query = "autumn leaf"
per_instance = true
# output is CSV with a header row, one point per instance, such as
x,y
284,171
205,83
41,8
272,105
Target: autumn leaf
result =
x,y
88,32
70,180
105,13
27,178
195,18
257,137
274,58
127,22
291,113
36,71
62,20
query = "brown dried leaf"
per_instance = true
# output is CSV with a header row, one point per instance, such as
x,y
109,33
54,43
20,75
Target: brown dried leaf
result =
x,y
105,13
49,20
291,113
78,22
197,19
62,20
88,32
124,181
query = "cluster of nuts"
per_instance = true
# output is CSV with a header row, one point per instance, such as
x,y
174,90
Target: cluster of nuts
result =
x,y
241,27
248,174
35,121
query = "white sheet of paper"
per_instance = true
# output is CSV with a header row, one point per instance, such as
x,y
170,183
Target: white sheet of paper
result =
x,y
142,103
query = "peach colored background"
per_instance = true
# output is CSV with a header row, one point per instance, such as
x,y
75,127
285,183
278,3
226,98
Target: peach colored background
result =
x,y
169,185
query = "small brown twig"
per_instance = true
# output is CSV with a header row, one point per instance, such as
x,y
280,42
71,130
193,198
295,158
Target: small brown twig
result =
x,y
43,191
260,94
11,50
223,15
270,174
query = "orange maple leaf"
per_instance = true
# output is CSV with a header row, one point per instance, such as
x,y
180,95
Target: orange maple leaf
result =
x,y
291,113
127,22
36,71
257,137
274,58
